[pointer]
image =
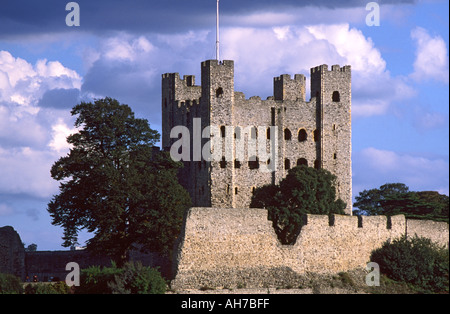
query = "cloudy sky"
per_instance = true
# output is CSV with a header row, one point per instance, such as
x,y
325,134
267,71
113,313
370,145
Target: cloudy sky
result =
x,y
400,77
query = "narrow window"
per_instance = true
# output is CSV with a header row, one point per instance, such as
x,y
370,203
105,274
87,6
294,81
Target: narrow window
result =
x,y
222,131
219,92
287,164
302,135
334,155
268,133
317,164
316,135
336,96
237,164
253,163
272,114
223,163
287,134
236,190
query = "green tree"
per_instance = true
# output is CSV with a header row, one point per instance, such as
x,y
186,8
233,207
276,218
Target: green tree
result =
x,y
116,185
369,202
305,190
396,198
31,248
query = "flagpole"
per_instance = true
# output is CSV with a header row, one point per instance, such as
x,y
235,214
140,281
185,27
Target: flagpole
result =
x,y
217,32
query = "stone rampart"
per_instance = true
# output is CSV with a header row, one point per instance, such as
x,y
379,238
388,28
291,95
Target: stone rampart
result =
x,y
12,252
238,247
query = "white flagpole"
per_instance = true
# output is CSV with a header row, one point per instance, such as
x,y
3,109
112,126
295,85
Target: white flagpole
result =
x,y
217,33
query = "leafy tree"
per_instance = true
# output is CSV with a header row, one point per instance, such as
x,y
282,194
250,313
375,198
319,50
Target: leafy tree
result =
x,y
395,198
369,202
116,185
305,190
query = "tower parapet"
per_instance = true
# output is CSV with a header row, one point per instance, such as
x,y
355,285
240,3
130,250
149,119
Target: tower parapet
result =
x,y
286,88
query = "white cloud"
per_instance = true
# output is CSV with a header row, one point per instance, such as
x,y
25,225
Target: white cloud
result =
x,y
32,138
123,47
261,53
27,171
374,167
431,57
24,84
60,132
353,47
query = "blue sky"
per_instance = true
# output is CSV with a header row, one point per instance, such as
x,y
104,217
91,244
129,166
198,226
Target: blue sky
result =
x,y
400,77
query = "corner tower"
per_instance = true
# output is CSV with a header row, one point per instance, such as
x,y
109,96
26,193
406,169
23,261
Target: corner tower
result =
x,y
332,90
218,99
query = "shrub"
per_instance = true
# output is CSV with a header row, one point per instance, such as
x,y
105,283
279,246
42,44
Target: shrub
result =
x,y
138,279
131,279
417,261
47,288
10,284
94,279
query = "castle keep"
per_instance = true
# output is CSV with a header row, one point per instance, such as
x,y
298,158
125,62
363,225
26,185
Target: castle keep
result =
x,y
288,129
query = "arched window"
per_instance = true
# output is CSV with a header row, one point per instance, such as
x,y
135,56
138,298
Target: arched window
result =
x,y
302,135
219,92
336,96
302,161
287,134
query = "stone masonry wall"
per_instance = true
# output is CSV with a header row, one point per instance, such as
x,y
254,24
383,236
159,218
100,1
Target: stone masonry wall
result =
x,y
12,252
222,247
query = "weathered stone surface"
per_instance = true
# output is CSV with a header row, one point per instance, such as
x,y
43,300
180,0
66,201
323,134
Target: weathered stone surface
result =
x,y
12,252
225,247
436,231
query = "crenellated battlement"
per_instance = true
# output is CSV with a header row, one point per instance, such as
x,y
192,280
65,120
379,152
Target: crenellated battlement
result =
x,y
334,68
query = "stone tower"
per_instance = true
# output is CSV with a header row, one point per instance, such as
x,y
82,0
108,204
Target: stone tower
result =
x,y
247,135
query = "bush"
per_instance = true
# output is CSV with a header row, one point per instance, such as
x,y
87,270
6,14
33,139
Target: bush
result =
x,y
417,261
47,288
10,284
131,279
94,279
138,279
